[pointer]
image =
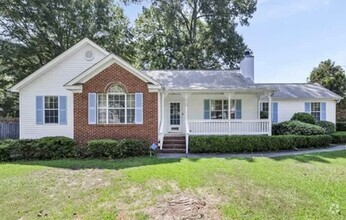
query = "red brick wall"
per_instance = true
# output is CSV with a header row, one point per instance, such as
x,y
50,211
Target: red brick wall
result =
x,y
84,132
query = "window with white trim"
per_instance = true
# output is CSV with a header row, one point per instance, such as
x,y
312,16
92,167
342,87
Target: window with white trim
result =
x,y
219,109
264,110
316,110
51,109
116,106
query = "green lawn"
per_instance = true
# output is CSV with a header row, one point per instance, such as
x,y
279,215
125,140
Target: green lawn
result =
x,y
300,187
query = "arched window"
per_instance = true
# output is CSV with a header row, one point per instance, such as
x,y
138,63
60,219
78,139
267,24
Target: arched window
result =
x,y
116,106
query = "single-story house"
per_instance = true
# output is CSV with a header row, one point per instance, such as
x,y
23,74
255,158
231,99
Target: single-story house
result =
x,y
88,93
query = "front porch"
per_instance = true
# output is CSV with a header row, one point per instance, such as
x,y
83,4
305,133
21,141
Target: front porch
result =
x,y
213,113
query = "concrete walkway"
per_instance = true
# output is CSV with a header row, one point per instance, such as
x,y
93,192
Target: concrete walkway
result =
x,y
260,154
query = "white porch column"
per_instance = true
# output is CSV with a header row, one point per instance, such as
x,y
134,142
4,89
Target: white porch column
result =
x,y
187,128
270,113
258,106
162,125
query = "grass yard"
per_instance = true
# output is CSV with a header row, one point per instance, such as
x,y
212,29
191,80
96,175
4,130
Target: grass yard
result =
x,y
300,187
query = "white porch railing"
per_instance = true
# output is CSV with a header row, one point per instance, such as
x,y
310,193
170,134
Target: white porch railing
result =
x,y
229,127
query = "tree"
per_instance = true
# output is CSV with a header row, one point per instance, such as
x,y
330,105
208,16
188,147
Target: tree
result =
x,y
330,76
34,32
192,34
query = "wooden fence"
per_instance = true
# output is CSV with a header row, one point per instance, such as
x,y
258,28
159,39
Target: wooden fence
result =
x,y
9,129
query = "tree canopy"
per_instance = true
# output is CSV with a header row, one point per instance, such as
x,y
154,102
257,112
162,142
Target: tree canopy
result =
x,y
192,34
330,76
169,34
34,32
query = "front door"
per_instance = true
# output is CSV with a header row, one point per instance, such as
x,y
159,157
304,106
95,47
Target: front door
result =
x,y
174,116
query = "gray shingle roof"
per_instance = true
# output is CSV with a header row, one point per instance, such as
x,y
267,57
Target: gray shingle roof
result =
x,y
301,91
201,79
233,79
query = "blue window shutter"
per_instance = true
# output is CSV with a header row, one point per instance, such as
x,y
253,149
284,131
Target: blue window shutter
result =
x,y
39,110
63,110
238,109
308,107
323,112
206,109
92,108
275,111
139,108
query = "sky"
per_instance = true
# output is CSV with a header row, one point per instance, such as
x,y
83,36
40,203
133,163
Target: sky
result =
x,y
291,37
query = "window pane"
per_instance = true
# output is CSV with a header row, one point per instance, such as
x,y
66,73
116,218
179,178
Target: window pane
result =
x,y
316,115
102,100
102,116
116,116
131,116
51,113
225,105
315,106
116,101
116,89
130,100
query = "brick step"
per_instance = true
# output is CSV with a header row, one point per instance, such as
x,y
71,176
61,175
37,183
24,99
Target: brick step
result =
x,y
177,141
173,146
174,138
172,151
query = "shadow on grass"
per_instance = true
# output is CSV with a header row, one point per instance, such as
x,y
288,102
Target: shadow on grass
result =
x,y
324,157
77,164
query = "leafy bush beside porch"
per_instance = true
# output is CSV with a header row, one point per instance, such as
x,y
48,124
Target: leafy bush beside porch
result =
x,y
235,144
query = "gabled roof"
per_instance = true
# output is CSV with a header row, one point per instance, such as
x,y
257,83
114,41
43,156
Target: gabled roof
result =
x,y
203,80
54,62
301,91
103,64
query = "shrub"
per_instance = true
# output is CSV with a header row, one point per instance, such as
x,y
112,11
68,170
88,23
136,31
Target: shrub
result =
x,y
55,147
25,149
133,148
44,148
104,148
113,149
4,151
329,127
341,126
339,138
231,144
296,128
303,117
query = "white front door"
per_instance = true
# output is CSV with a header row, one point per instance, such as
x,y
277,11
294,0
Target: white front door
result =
x,y
175,116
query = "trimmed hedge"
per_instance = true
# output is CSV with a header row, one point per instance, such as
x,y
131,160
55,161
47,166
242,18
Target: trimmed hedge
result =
x,y
303,117
117,149
63,147
339,138
105,148
329,127
341,126
296,128
236,144
39,149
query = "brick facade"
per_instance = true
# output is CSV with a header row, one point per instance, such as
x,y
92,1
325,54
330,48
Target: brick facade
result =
x,y
84,132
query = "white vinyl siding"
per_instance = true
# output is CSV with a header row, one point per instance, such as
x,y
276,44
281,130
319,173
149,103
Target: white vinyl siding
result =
x,y
288,107
51,84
